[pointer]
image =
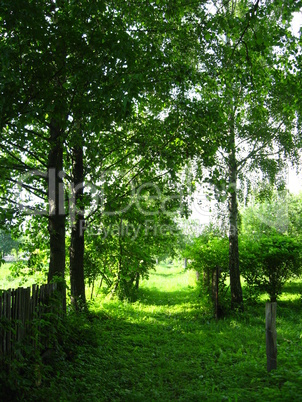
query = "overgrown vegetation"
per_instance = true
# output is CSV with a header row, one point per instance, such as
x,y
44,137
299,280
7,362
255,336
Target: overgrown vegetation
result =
x,y
112,114
268,262
165,347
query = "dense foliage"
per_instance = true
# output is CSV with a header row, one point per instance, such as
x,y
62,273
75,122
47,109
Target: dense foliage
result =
x,y
7,243
100,97
269,261
111,114
270,245
208,256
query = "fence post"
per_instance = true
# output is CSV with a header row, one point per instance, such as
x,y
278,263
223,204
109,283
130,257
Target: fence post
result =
x,y
1,330
216,290
7,315
271,335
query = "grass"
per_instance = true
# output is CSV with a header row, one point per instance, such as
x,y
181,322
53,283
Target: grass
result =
x,y
8,281
167,347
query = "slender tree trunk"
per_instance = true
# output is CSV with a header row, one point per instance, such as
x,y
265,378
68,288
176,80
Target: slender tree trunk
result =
x,y
137,280
92,288
205,278
56,221
236,290
77,242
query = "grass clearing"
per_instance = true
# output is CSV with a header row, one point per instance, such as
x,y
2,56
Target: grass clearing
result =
x,y
167,347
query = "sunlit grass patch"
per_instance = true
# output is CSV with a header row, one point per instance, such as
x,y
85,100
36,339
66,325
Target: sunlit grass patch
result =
x,y
169,278
9,281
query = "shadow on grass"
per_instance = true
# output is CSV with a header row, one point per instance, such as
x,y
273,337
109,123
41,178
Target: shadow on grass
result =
x,y
156,361
155,297
289,303
293,288
167,347
172,274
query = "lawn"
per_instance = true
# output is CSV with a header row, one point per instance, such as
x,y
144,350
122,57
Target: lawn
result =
x,y
167,347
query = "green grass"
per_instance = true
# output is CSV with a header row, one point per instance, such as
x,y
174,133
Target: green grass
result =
x,y
167,347
8,281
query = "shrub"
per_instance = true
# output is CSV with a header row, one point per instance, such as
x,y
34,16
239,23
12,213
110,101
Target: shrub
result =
x,y
207,253
268,262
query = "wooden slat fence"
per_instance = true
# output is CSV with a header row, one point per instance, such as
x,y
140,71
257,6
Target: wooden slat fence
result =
x,y
18,309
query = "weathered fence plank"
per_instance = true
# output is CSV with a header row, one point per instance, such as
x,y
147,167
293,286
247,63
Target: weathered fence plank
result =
x,y
7,315
271,335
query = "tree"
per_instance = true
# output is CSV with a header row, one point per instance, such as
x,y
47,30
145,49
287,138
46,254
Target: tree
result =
x,y
7,243
73,72
270,253
247,77
209,256
270,211
207,252
133,227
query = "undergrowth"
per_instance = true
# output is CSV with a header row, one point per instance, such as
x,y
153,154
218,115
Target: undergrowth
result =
x,y
168,347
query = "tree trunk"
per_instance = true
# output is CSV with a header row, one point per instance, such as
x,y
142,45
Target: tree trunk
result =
x,y
236,290
77,241
137,280
56,220
206,278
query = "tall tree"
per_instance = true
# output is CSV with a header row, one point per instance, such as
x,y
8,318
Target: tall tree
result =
x,y
245,74
93,63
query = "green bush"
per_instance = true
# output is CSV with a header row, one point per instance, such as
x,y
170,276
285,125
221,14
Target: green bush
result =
x,y
208,253
266,263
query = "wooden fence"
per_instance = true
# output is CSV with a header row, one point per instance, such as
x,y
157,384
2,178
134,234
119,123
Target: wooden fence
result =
x,y
18,310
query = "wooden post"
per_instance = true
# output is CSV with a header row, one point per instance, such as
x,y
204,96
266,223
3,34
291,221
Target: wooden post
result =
x,y
271,335
1,330
216,291
185,263
9,317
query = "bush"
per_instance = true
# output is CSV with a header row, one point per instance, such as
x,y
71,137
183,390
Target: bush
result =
x,y
267,263
208,253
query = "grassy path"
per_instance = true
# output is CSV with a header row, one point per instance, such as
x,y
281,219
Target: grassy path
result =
x,y
165,347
